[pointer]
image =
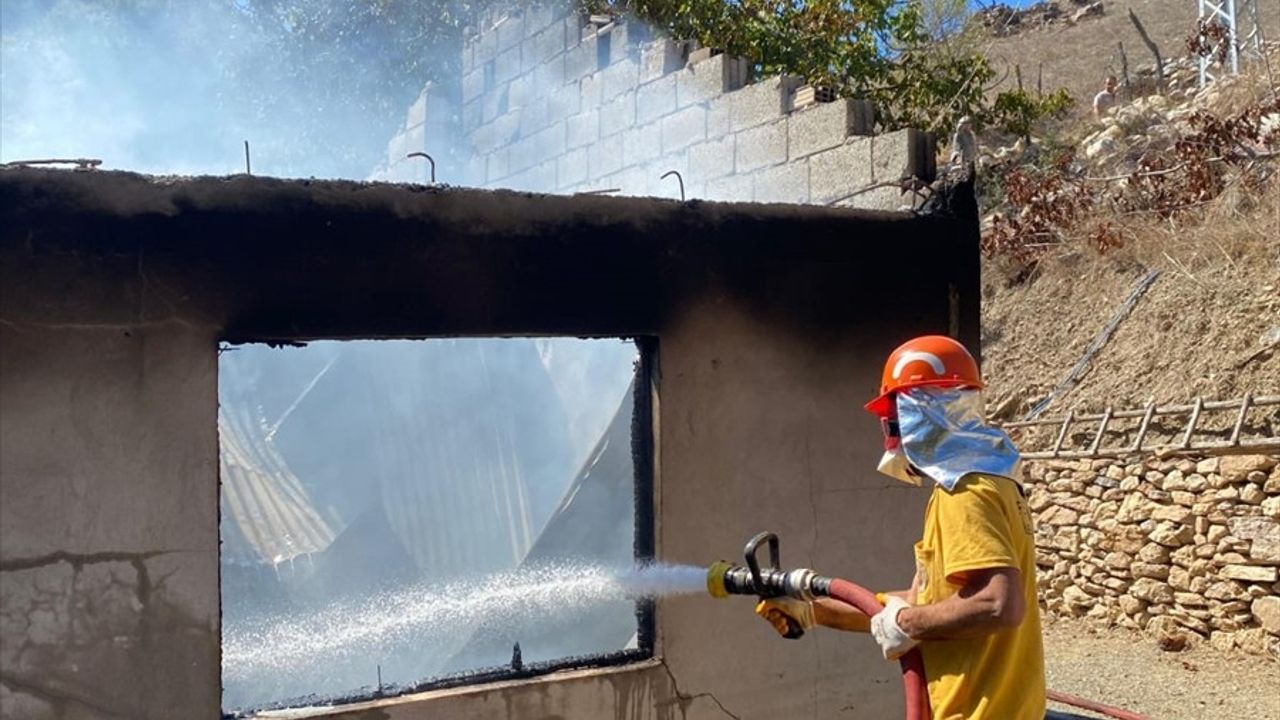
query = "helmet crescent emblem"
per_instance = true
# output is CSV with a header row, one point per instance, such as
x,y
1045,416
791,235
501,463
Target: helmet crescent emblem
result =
x,y
911,356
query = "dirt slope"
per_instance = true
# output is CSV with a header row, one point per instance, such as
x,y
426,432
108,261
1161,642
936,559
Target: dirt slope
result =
x,y
1079,56
1201,329
1210,324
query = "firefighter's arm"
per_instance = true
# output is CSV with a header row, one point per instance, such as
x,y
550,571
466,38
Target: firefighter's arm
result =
x,y
990,600
840,616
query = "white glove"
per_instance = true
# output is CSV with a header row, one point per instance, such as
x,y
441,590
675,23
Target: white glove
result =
x,y
894,643
791,618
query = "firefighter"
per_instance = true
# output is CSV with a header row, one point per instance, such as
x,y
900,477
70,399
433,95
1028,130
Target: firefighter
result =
x,y
971,608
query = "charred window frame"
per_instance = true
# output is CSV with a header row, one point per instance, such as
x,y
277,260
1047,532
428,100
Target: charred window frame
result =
x,y
644,502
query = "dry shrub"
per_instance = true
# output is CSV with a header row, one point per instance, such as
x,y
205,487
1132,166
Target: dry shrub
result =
x,y
1216,186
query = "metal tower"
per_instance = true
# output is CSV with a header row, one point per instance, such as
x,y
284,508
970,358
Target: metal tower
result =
x,y
1228,14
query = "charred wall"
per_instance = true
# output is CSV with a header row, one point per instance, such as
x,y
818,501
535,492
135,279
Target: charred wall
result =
x,y
771,324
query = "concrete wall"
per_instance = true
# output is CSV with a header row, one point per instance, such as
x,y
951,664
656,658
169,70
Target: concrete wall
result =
x,y
772,323
554,103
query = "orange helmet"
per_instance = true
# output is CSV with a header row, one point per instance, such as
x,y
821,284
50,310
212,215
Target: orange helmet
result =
x,y
930,360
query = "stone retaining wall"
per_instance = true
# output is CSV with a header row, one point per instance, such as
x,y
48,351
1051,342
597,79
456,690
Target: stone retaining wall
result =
x,y
1185,549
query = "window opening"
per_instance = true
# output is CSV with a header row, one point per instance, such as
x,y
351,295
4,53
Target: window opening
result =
x,y
391,511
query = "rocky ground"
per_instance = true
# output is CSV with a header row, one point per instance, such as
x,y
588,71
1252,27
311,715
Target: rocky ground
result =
x,y
1128,670
1210,325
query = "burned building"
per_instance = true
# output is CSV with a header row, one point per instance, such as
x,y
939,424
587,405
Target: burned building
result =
x,y
764,327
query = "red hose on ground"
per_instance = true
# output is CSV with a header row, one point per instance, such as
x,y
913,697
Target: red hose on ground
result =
x,y
1097,707
913,681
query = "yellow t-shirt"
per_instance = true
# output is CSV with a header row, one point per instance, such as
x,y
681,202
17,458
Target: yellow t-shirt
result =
x,y
982,523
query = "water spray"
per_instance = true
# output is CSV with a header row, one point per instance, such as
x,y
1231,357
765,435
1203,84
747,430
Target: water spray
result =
x,y
771,581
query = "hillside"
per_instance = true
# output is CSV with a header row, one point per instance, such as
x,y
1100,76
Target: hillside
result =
x,y
1187,185
1079,56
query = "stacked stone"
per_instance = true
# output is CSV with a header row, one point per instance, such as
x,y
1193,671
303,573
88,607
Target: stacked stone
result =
x,y
1180,548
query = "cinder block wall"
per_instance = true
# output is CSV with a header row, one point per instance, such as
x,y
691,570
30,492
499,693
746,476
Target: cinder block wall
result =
x,y
554,103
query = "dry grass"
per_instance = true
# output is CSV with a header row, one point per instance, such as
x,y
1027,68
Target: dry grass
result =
x,y
1078,57
1202,329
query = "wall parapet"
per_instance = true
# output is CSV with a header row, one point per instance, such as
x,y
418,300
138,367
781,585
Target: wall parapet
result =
x,y
571,104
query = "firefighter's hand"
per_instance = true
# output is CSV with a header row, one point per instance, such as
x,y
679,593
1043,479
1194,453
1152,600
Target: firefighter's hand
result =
x,y
894,643
790,617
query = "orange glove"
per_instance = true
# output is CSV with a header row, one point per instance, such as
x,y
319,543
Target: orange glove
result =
x,y
790,617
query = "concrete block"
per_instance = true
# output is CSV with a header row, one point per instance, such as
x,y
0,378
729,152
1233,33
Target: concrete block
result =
x,y
820,127
436,107
708,79
734,188
493,135
642,144
571,169
417,113
507,66
574,31
881,198
496,165
540,15
700,54
582,129
589,89
395,149
535,115
580,59
539,178
761,146
472,85
472,116
542,46
712,159
605,157
655,99
549,142
787,183
521,90
550,74
684,128
761,102
619,78
631,182
839,171
719,116
522,156
660,57
618,114
669,187
415,139
626,40
564,101
494,104
484,47
536,149
510,32
893,155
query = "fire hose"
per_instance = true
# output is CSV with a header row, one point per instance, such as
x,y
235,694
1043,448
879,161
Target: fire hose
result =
x,y
725,579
